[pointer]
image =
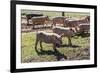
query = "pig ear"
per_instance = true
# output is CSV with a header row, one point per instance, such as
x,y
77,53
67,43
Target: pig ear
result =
x,y
73,29
77,29
70,28
62,34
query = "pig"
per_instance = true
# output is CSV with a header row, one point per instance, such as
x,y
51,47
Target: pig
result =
x,y
68,32
49,38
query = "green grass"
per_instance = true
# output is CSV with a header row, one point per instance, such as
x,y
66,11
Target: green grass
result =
x,y
57,13
71,14
80,50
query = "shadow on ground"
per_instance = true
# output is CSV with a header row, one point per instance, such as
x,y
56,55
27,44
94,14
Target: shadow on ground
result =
x,y
83,34
59,56
65,45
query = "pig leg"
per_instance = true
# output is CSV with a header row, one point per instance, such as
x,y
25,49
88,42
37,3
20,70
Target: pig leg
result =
x,y
69,41
41,45
53,24
54,46
36,43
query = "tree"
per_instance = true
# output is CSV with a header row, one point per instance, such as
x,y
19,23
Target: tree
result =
x,y
63,14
